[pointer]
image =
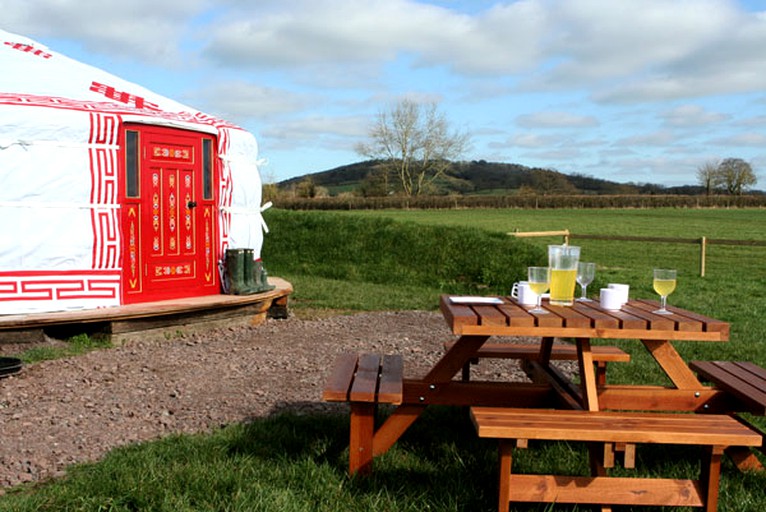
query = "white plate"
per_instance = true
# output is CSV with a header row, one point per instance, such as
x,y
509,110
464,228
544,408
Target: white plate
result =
x,y
468,299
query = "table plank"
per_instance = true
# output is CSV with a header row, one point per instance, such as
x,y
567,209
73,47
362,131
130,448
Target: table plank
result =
x,y
517,315
570,316
654,322
598,318
708,324
458,314
583,320
682,323
490,315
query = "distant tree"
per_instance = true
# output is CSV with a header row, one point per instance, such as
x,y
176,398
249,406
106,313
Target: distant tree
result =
x,y
375,184
415,143
735,176
707,176
551,182
306,188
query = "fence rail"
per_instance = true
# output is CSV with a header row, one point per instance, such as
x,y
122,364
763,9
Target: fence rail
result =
x,y
703,242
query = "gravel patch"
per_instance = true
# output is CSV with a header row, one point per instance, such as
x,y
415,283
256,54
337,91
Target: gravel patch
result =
x,y
56,413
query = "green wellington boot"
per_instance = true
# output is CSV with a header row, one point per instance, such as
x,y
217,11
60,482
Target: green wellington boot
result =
x,y
251,286
235,271
261,278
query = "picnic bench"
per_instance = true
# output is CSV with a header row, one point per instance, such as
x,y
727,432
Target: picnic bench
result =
x,y
475,322
364,380
515,427
745,386
602,354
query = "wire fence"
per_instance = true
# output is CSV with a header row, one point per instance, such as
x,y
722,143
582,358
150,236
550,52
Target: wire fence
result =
x,y
703,241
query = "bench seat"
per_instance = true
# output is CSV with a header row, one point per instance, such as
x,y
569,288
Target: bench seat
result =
x,y
364,381
602,354
745,383
744,380
514,427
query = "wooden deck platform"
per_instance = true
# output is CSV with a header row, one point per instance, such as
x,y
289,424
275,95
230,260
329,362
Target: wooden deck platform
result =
x,y
137,319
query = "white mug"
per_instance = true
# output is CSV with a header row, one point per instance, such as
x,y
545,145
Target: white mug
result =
x,y
523,293
610,298
623,291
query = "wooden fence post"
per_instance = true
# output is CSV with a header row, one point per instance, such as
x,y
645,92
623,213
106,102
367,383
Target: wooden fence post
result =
x,y
703,250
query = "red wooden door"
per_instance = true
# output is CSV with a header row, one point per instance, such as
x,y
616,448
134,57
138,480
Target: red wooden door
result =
x,y
168,214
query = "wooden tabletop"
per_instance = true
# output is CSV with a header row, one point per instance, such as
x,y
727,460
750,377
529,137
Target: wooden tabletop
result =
x,y
582,320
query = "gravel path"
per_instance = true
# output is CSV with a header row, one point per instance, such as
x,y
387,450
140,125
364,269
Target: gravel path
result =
x,y
56,413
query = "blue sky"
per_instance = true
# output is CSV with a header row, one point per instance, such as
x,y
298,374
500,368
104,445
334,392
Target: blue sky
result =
x,y
625,90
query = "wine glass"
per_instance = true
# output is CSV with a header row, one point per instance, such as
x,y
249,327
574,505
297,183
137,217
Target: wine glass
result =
x,y
539,280
664,283
585,274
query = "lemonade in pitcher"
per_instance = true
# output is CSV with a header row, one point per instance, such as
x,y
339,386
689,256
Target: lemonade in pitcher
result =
x,y
563,286
562,260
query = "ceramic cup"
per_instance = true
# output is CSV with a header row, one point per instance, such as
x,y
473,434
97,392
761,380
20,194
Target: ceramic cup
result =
x,y
523,293
623,291
610,298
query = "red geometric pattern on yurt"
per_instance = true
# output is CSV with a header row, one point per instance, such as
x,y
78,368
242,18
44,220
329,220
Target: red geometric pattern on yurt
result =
x,y
59,285
226,190
103,151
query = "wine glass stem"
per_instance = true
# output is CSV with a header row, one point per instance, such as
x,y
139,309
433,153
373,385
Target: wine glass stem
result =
x,y
584,289
663,300
539,302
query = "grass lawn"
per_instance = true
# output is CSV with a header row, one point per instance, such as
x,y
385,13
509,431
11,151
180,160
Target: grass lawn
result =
x,y
353,261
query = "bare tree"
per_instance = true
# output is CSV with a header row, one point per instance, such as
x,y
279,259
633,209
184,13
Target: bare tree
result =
x,y
415,144
707,175
735,176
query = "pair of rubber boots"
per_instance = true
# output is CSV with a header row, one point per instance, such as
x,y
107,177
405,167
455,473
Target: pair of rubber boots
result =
x,y
244,276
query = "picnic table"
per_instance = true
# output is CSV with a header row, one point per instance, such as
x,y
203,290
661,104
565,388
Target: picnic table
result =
x,y
552,406
474,322
586,321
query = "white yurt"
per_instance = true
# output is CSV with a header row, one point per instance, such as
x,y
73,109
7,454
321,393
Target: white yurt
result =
x,y
111,194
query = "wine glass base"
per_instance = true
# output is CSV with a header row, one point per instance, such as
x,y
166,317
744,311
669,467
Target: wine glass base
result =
x,y
662,312
584,299
538,311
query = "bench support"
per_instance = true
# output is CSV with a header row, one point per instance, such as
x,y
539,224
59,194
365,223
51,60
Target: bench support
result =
x,y
603,432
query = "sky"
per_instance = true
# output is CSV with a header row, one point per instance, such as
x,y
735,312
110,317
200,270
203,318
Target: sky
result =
x,y
643,91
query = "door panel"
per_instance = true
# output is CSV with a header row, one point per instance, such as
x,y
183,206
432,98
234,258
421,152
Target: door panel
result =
x,y
168,225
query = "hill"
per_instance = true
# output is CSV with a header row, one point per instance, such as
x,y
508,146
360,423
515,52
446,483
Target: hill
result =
x,y
478,177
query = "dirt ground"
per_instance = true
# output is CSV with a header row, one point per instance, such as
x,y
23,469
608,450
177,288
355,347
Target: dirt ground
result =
x,y
56,413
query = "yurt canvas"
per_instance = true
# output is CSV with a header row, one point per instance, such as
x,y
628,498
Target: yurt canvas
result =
x,y
111,194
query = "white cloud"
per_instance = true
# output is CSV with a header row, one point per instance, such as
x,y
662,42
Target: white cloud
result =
x,y
648,50
691,116
242,100
313,128
556,120
504,38
148,30
532,140
658,138
756,140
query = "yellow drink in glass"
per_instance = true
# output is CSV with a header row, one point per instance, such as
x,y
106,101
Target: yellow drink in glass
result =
x,y
538,288
664,287
563,286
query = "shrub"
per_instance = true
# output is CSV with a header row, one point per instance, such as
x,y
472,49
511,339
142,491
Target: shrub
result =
x,y
385,251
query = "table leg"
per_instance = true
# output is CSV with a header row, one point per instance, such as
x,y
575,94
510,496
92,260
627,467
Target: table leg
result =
x,y
443,371
546,347
587,375
453,360
361,438
672,364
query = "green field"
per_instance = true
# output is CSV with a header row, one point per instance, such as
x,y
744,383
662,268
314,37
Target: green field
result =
x,y
341,262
